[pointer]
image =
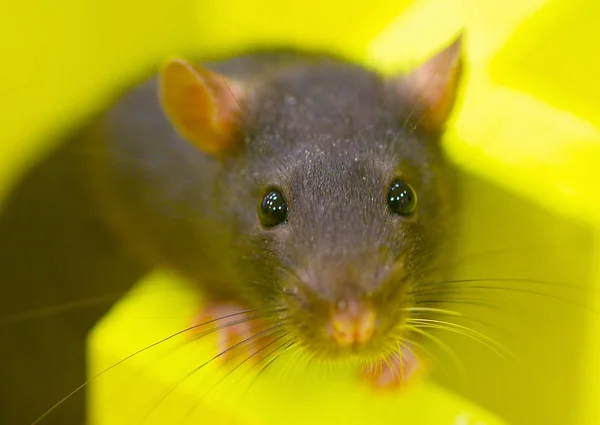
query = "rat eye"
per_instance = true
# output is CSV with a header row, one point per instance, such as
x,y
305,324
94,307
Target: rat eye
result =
x,y
401,198
272,209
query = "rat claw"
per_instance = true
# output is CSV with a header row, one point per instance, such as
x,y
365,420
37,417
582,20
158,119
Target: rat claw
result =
x,y
395,372
236,330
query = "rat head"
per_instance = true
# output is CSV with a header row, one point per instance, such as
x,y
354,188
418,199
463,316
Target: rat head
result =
x,y
341,195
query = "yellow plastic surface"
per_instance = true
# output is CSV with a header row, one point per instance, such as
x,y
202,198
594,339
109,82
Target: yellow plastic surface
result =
x,y
526,132
287,392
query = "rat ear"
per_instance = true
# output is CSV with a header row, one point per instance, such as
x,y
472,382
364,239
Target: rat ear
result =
x,y
432,88
203,106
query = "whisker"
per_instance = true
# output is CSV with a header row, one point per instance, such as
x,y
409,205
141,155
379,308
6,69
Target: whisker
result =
x,y
449,352
224,81
465,331
510,280
68,306
457,331
392,142
280,332
305,361
442,290
464,260
463,317
406,122
295,356
431,310
372,366
291,360
387,362
140,351
58,308
303,353
407,348
271,313
410,350
411,342
198,368
209,332
287,345
466,301
518,314
416,125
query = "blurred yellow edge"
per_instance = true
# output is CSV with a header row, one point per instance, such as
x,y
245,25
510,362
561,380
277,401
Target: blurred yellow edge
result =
x,y
286,393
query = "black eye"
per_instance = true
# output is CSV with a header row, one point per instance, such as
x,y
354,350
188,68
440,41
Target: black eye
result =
x,y
272,210
401,198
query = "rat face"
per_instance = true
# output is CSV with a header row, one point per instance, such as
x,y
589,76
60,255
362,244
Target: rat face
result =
x,y
351,206
357,238
349,190
348,221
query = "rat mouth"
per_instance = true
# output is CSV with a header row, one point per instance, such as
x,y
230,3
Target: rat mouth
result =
x,y
381,345
361,334
351,322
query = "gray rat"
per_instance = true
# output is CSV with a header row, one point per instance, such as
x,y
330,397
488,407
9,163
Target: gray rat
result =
x,y
300,184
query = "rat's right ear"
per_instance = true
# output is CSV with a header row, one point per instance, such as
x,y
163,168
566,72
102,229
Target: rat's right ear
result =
x,y
203,106
432,88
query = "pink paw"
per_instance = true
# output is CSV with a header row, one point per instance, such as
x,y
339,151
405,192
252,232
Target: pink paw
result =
x,y
238,332
396,372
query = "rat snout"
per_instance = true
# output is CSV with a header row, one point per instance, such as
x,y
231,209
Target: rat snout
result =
x,y
352,322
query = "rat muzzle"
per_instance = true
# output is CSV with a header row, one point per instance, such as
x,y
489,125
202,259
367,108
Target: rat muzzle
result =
x,y
352,322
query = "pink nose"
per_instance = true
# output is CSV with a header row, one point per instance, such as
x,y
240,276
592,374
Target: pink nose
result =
x,y
352,322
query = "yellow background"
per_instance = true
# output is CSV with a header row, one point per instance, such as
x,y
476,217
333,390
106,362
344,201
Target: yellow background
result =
x,y
527,124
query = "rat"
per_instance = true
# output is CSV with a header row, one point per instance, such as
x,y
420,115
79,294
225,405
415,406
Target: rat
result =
x,y
301,185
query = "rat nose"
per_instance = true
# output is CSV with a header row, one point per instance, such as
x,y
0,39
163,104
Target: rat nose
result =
x,y
352,322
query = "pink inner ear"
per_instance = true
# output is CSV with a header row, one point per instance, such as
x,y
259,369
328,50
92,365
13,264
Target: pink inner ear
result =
x,y
202,106
435,84
227,97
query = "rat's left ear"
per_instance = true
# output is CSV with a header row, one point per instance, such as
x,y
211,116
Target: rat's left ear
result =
x,y
204,107
432,88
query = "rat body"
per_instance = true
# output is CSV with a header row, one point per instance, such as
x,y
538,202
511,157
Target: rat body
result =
x,y
297,182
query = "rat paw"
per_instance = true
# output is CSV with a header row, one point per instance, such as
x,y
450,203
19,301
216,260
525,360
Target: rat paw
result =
x,y
238,330
395,372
